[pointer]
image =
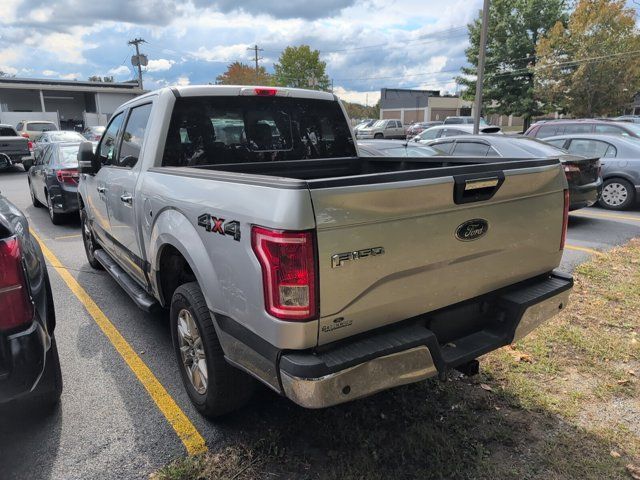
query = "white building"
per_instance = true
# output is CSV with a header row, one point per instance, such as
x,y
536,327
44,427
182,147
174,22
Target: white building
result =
x,y
69,103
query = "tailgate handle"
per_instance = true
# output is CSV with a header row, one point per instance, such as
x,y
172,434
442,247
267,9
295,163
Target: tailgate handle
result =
x,y
481,183
476,187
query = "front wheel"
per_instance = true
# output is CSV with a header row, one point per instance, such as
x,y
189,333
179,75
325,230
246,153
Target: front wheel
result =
x,y
617,194
214,386
89,241
378,136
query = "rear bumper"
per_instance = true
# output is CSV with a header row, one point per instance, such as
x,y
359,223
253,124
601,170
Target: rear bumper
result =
x,y
65,199
422,348
22,361
581,196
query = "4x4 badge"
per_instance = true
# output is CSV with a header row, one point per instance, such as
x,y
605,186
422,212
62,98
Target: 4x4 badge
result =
x,y
218,225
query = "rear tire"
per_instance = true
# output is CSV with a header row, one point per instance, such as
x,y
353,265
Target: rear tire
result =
x,y
214,387
89,241
47,392
617,194
27,166
378,136
34,200
56,218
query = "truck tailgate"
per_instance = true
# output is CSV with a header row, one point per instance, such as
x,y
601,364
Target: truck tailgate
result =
x,y
391,251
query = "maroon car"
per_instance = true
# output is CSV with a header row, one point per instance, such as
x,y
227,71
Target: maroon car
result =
x,y
551,128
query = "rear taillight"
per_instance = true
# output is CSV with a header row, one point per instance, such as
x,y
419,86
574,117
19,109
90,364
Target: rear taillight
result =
x,y
15,303
25,135
565,219
70,176
288,272
266,92
30,146
571,169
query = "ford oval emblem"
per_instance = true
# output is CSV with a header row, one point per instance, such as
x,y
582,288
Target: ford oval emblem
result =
x,y
472,229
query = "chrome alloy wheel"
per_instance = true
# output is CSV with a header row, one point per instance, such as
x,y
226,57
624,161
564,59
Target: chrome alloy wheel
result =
x,y
614,194
192,351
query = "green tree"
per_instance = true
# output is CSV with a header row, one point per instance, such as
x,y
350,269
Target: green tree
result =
x,y
239,73
591,66
98,78
515,26
301,67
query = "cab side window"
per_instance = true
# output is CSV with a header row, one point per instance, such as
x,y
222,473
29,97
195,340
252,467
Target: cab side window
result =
x,y
44,158
107,147
133,135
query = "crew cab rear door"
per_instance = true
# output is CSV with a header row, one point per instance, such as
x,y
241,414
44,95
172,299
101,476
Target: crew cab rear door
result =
x,y
122,179
416,241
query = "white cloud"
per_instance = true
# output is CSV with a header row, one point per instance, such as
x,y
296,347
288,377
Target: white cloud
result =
x,y
70,76
40,15
119,71
183,81
224,53
160,65
8,69
50,73
363,98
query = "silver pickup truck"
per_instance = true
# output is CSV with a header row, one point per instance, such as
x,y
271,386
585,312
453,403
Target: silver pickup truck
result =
x,y
284,257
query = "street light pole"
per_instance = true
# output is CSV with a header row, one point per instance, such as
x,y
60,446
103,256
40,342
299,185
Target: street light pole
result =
x,y
481,56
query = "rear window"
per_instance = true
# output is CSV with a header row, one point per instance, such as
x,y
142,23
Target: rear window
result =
x,y
68,156
66,137
218,130
538,148
7,132
40,126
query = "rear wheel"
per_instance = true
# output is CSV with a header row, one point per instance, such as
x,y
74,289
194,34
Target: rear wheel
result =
x,y
378,135
214,386
617,194
89,241
56,218
34,200
27,166
47,392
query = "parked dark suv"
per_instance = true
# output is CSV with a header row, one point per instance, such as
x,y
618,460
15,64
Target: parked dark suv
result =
x,y
551,128
29,364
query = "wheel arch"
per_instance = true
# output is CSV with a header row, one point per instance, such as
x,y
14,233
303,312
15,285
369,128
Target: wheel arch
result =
x,y
177,255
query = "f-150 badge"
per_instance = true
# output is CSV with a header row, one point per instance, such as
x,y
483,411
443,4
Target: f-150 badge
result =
x,y
339,259
218,225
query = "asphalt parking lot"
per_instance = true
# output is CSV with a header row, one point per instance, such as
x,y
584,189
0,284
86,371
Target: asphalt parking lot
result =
x,y
109,425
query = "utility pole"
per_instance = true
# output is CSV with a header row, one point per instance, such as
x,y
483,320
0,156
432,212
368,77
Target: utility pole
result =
x,y
138,60
481,56
256,58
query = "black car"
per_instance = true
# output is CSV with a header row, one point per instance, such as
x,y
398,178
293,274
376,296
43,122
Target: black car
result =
x,y
29,363
583,174
394,148
53,180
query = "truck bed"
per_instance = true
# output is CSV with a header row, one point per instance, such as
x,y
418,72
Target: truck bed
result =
x,y
330,171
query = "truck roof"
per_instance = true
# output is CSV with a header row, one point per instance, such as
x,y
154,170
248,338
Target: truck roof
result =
x,y
236,90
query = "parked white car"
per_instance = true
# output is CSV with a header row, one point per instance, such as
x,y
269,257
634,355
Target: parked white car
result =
x,y
383,129
451,131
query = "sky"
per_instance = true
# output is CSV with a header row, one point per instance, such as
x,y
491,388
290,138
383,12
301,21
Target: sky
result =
x,y
367,44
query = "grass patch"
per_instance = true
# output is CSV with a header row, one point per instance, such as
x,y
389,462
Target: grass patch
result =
x,y
564,404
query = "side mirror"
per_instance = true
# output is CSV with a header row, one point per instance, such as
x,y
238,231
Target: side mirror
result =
x,y
88,162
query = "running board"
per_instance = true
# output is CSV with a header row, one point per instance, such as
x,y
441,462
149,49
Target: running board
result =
x,y
138,294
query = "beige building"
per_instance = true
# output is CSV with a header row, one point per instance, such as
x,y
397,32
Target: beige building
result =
x,y
411,106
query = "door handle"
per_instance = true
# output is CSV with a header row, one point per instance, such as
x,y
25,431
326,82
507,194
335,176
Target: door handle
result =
x,y
128,199
101,189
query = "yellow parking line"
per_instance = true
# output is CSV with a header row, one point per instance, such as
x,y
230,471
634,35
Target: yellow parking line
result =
x,y
583,249
67,236
190,437
606,215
